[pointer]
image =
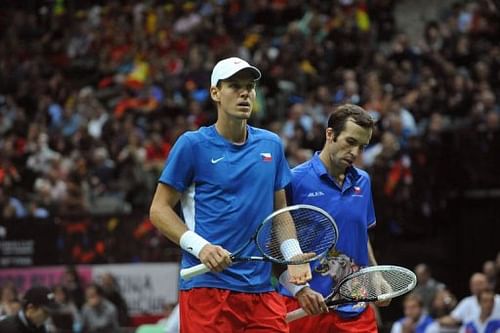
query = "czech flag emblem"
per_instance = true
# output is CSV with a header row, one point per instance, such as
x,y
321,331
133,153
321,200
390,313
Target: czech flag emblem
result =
x,y
266,157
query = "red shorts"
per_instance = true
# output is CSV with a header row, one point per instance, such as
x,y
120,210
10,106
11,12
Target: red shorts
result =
x,y
212,310
332,322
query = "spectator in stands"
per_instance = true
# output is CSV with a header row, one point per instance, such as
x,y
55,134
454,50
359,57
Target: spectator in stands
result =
x,y
442,304
67,318
489,270
427,286
37,304
72,281
111,290
487,321
9,301
415,319
10,206
98,314
469,309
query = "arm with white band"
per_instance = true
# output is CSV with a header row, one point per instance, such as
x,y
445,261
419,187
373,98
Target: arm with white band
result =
x,y
290,248
191,242
293,288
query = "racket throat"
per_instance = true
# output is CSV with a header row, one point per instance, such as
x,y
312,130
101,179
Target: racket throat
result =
x,y
250,258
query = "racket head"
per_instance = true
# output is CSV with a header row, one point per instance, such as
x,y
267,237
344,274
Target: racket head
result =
x,y
376,283
315,230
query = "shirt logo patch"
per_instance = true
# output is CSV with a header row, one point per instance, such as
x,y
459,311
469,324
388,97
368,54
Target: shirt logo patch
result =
x,y
266,157
357,192
214,161
315,194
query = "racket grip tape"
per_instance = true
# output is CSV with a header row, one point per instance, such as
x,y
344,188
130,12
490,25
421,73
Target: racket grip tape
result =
x,y
295,314
188,273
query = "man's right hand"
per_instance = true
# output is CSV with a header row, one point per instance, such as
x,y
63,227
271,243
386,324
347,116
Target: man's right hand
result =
x,y
311,301
215,257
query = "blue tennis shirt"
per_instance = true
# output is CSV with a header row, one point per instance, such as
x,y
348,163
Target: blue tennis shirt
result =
x,y
352,208
227,191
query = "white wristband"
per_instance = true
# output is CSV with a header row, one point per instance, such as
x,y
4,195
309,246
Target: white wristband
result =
x,y
291,287
290,248
192,242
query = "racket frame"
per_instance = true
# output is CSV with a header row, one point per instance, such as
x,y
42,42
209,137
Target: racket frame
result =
x,y
345,299
289,209
188,273
300,313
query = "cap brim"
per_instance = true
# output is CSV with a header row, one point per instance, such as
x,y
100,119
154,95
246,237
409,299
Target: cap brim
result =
x,y
254,71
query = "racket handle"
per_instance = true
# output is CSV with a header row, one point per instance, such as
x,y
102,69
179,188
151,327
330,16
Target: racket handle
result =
x,y
295,314
188,273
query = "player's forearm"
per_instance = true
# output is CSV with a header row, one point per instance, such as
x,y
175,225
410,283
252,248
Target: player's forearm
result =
x,y
371,256
285,228
167,222
162,214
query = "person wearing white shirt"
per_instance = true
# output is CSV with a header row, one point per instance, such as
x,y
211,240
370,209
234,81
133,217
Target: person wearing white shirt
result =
x,y
416,319
468,308
488,321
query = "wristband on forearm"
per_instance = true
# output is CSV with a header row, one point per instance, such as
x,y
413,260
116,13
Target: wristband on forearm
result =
x,y
290,248
291,287
192,243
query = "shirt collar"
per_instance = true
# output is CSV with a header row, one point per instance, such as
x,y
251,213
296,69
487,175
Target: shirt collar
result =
x,y
321,171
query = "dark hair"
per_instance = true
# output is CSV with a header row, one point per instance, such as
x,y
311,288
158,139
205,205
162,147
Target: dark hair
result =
x,y
414,297
344,112
98,289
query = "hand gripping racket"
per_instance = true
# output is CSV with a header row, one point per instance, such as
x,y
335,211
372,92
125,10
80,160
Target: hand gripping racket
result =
x,y
370,284
311,229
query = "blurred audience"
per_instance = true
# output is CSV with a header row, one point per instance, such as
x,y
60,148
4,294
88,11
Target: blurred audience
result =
x,y
67,317
488,320
443,303
469,308
427,286
9,301
111,291
489,270
98,314
89,115
416,319
73,283
37,304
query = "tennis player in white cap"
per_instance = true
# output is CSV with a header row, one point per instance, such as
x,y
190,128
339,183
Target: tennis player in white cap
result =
x,y
228,177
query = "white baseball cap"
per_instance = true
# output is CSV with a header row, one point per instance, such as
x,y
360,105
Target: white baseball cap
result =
x,y
226,68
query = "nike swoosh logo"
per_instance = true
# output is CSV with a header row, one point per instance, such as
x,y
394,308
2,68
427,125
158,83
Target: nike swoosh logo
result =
x,y
217,160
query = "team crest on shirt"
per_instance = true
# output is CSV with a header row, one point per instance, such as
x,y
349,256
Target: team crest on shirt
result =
x,y
357,192
266,157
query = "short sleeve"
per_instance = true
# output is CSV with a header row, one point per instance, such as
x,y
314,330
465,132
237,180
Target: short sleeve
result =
x,y
179,168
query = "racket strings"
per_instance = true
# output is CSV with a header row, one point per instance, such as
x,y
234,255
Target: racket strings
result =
x,y
371,285
314,232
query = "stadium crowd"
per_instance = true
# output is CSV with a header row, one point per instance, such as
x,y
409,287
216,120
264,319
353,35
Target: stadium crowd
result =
x,y
92,97
93,94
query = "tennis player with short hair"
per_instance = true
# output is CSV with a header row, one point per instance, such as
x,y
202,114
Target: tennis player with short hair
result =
x,y
330,181
228,178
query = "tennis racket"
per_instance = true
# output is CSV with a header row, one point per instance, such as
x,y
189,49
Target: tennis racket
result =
x,y
370,284
304,228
